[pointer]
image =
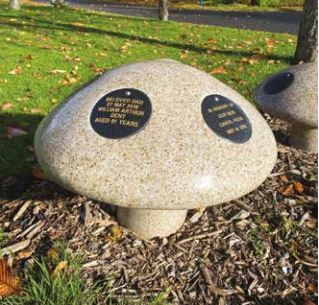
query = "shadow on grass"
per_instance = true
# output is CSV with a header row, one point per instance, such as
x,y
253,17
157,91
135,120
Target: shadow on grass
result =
x,y
48,25
16,155
17,158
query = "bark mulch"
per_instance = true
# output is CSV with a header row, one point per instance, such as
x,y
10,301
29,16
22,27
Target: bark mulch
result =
x,y
259,249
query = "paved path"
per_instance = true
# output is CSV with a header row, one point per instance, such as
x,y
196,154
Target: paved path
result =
x,y
280,22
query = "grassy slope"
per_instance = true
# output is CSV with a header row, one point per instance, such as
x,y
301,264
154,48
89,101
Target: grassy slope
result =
x,y
37,41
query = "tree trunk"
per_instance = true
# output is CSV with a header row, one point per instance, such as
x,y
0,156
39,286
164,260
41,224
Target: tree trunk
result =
x,y
307,48
163,9
14,4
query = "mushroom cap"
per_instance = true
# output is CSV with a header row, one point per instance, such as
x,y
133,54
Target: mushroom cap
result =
x,y
291,95
176,161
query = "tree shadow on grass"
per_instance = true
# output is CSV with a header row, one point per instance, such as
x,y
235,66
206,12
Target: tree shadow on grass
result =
x,y
16,155
48,25
16,160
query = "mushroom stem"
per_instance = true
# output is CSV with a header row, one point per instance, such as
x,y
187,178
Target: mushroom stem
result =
x,y
304,137
147,224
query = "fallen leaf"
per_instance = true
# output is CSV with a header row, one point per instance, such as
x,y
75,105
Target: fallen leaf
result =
x,y
286,190
219,70
183,54
298,187
212,40
252,61
311,223
24,254
15,132
60,266
284,178
29,57
288,224
38,173
78,24
53,253
16,71
9,284
35,110
312,288
6,106
116,233
57,71
269,42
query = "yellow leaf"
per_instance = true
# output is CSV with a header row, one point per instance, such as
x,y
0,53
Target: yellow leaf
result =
x,y
288,224
78,24
57,71
9,284
53,253
60,266
116,233
35,110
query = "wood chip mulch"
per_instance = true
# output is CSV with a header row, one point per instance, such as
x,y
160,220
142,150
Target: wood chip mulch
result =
x,y
259,249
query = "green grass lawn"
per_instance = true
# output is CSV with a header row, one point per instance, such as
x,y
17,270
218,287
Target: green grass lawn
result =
x,y
48,53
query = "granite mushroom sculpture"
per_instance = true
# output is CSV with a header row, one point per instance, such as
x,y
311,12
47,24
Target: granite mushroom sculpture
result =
x,y
291,95
156,138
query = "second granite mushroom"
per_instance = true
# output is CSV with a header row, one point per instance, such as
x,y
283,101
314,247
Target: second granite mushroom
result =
x,y
291,95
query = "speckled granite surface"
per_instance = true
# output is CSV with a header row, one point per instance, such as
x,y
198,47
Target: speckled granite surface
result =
x,y
175,162
298,103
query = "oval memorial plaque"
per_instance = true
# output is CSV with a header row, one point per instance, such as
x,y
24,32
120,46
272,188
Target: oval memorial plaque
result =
x,y
121,113
279,83
226,118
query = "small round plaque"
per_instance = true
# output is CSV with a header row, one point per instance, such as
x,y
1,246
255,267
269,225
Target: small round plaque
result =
x,y
226,119
279,83
121,113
